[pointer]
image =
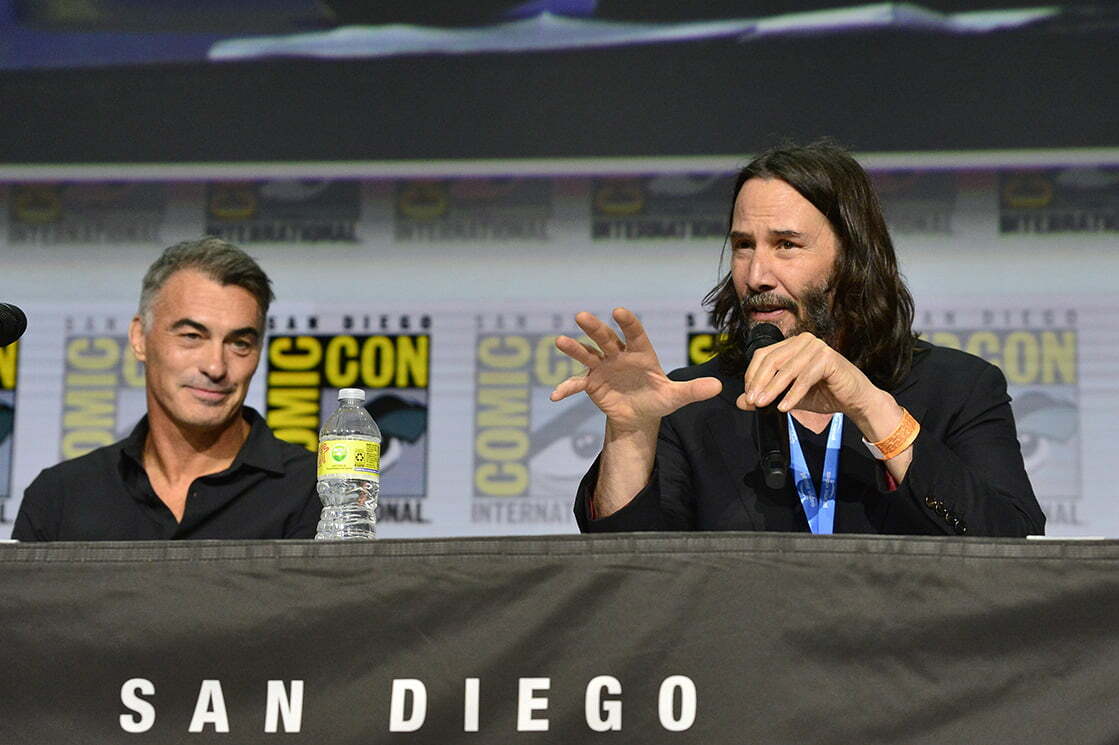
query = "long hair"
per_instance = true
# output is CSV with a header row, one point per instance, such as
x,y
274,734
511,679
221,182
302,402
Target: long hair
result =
x,y
871,306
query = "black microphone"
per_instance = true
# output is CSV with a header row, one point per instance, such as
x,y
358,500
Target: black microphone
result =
x,y
770,421
12,323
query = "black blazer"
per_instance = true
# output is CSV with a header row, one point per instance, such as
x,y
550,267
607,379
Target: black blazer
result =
x,y
967,475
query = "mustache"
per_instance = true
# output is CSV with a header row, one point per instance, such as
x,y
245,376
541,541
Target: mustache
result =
x,y
769,300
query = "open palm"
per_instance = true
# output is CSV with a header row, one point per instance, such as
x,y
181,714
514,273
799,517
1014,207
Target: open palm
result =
x,y
625,379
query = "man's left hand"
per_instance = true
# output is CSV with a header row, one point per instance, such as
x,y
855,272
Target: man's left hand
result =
x,y
819,379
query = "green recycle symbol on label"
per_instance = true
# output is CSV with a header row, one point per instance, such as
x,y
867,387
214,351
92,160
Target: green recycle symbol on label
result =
x,y
338,453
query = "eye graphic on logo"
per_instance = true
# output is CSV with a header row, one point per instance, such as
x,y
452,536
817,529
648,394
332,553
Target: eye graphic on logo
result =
x,y
561,450
1044,425
400,420
586,444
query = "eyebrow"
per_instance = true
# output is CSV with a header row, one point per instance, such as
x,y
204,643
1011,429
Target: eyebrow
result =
x,y
736,234
190,323
202,328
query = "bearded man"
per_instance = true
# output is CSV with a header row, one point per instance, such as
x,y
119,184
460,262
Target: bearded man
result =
x,y
900,436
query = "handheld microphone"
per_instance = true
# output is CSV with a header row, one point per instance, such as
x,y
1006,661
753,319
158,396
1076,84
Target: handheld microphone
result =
x,y
770,421
12,323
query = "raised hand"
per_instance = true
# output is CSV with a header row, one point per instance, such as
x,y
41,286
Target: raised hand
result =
x,y
625,381
624,378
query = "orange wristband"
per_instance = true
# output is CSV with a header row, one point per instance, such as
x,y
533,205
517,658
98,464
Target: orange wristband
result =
x,y
897,443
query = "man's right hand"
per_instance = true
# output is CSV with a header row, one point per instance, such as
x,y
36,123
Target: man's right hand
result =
x,y
625,380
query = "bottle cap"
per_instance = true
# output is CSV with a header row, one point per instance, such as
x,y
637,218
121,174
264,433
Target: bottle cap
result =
x,y
351,394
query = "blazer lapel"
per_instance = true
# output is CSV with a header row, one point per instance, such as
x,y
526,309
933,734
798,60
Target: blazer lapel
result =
x,y
732,429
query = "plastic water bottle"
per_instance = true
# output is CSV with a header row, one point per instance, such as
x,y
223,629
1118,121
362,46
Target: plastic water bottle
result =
x,y
349,470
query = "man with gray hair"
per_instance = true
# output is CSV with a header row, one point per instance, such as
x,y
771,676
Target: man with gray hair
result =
x,y
200,464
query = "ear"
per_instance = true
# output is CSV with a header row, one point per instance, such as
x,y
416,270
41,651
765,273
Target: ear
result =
x,y
136,339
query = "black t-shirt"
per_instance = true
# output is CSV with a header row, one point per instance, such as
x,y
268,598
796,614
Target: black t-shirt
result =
x,y
814,446
267,492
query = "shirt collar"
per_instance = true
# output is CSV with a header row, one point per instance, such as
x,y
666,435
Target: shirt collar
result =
x,y
257,451
133,445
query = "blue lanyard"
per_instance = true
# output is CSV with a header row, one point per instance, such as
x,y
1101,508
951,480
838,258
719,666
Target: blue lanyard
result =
x,y
820,511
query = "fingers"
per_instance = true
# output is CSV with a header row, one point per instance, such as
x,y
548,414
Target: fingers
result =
x,y
795,364
569,387
699,389
584,354
810,374
600,333
634,332
767,363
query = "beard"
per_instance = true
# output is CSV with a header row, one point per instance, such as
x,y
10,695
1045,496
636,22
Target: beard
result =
x,y
813,313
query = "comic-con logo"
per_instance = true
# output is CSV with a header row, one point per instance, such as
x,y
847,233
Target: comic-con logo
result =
x,y
680,206
1070,200
917,202
473,209
285,211
96,212
1041,366
701,340
525,445
103,392
306,371
9,357
701,346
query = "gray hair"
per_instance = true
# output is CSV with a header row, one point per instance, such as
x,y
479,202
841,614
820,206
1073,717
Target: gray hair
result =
x,y
221,261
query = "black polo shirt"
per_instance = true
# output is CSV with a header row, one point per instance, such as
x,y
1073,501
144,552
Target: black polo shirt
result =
x,y
267,492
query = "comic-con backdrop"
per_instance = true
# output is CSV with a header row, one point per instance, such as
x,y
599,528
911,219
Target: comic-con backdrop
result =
x,y
441,297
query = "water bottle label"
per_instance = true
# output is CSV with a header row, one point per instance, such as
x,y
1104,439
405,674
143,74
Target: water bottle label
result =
x,y
351,459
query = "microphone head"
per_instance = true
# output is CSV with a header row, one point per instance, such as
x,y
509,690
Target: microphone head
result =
x,y
767,331
12,323
762,335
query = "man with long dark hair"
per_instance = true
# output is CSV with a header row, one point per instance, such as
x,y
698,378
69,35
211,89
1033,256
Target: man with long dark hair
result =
x,y
929,447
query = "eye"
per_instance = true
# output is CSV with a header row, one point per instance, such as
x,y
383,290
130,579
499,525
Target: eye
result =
x,y
786,243
586,444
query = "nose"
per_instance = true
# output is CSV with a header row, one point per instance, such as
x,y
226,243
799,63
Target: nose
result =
x,y
759,275
213,364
